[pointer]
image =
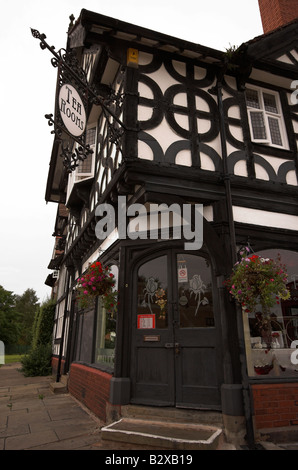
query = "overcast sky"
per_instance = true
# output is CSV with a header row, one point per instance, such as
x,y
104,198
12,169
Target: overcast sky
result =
x,y
28,87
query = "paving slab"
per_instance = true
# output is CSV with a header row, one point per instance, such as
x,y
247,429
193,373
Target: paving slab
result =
x,y
32,417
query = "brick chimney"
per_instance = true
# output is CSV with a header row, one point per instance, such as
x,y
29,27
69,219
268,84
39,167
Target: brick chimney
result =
x,y
276,13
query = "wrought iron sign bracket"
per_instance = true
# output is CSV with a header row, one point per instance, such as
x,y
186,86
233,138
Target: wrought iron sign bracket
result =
x,y
71,158
70,72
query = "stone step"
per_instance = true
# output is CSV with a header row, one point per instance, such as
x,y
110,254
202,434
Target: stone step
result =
x,y
168,434
61,386
173,414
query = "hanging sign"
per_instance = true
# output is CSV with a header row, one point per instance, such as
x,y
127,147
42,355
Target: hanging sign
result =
x,y
72,110
146,321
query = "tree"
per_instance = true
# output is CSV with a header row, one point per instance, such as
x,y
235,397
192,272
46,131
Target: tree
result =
x,y
38,361
26,305
43,323
10,326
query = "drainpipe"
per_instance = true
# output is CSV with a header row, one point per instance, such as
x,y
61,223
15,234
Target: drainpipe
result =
x,y
226,177
58,376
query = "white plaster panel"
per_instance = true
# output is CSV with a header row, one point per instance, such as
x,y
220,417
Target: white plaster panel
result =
x,y
204,125
261,173
202,104
180,67
231,82
145,91
285,59
183,158
144,151
144,113
180,99
295,126
274,161
240,169
292,178
236,132
163,78
216,145
145,58
206,162
182,121
164,134
265,218
208,213
234,112
199,73
270,78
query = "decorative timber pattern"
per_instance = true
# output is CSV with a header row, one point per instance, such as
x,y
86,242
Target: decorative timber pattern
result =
x,y
179,122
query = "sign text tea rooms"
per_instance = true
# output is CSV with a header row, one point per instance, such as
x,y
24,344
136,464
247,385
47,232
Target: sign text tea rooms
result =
x,y
72,110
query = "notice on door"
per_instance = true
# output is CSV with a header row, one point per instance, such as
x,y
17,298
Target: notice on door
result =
x,y
146,322
182,275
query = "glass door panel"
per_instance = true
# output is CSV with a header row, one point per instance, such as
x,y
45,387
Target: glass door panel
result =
x,y
194,286
153,294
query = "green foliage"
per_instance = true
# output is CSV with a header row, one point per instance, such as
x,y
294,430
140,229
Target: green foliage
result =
x,y
26,305
38,361
10,326
43,324
256,280
97,281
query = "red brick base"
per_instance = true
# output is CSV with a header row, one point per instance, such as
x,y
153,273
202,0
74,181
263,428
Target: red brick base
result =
x,y
275,405
55,362
91,387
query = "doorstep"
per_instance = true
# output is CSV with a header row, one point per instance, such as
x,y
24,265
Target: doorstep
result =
x,y
170,435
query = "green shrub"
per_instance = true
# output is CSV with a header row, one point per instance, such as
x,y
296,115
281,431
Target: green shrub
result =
x,y
38,361
43,324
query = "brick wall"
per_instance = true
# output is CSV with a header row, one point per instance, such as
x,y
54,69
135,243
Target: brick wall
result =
x,y
55,363
91,387
275,405
276,13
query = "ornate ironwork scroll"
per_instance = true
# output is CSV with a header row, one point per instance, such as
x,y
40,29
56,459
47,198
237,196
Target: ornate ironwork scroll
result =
x,y
70,72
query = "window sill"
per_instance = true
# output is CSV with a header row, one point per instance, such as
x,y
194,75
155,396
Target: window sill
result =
x,y
270,150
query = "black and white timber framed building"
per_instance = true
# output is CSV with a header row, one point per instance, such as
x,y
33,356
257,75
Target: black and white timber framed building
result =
x,y
188,125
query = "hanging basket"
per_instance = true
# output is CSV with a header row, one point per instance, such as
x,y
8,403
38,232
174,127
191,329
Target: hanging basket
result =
x,y
97,281
258,281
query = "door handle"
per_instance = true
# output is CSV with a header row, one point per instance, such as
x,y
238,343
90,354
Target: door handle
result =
x,y
172,346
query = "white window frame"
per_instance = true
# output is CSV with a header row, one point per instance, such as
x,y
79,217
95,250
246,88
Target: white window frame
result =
x,y
80,176
266,115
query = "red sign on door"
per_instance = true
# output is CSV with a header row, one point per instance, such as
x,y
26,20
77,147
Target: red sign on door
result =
x,y
146,321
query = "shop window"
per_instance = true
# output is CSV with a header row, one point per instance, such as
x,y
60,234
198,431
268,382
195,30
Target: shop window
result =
x,y
265,117
272,342
106,331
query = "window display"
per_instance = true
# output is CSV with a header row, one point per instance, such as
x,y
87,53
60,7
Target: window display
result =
x,y
271,338
106,329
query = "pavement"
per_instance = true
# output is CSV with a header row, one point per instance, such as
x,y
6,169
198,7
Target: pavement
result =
x,y
32,417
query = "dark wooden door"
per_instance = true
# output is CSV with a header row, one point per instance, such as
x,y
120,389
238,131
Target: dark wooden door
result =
x,y
174,353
